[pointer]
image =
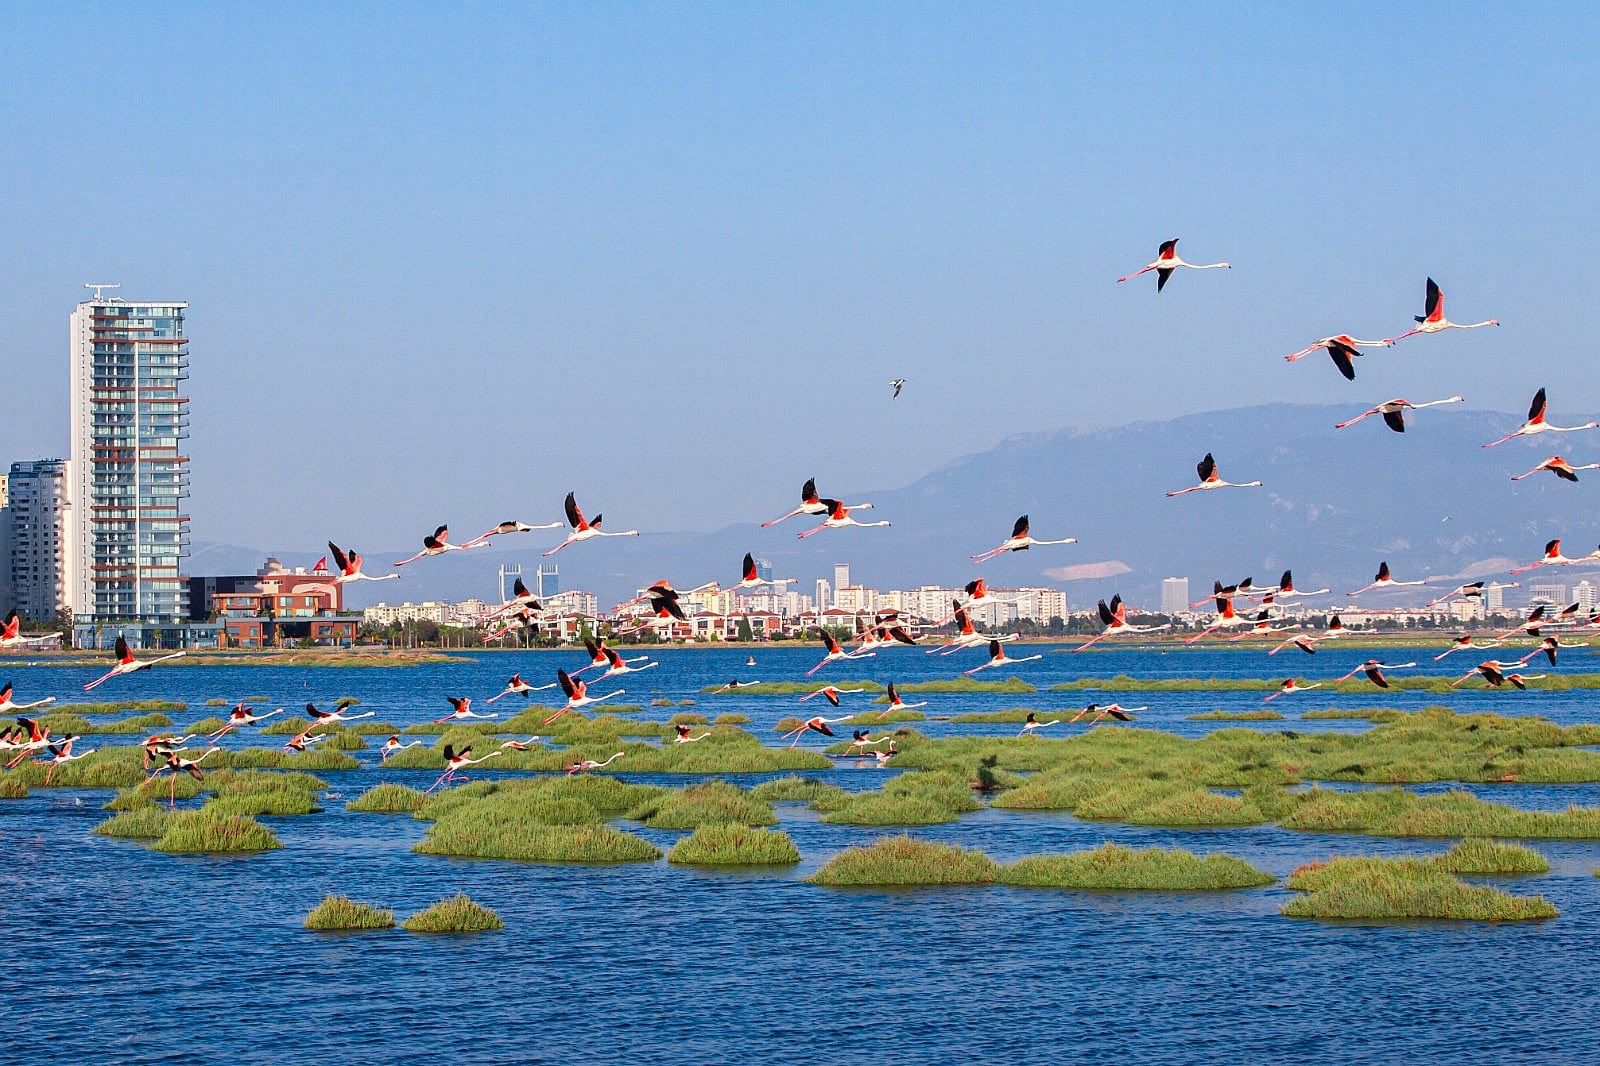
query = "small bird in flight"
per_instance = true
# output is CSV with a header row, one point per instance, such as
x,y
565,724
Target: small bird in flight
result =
x,y
897,384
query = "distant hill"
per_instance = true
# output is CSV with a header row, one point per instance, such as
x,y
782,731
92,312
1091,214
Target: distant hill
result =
x,y
1432,502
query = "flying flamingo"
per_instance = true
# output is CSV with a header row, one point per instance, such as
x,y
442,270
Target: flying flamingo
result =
x,y
38,737
349,566
461,709
1343,349
238,718
1263,627
1374,671
831,694
1286,589
1432,319
520,745
967,635
1166,262
1383,581
1226,618
736,684
583,766
1394,412
884,636
1114,616
506,528
1289,687
7,705
519,687
1532,625
897,704
438,543
1552,557
664,611
812,504
336,716
600,655
393,745
1308,642
1495,672
619,666
1559,467
1536,424
749,578
456,761
683,737
582,529
1110,710
306,737
998,657
1465,643
1220,592
836,653
1019,541
1032,725
1210,479
159,746
978,595
61,754
838,518
11,633
814,725
1551,646
127,664
177,764
577,694
1473,591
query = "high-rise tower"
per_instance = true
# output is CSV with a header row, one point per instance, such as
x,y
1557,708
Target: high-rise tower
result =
x,y
129,474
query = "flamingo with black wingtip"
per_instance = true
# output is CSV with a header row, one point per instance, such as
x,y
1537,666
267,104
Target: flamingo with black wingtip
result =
x,y
1288,688
337,716
683,737
1226,618
582,528
176,764
461,709
835,653
1166,261
1497,673
60,754
11,635
1342,348
1432,319
238,718
577,692
518,687
349,565
506,529
437,543
998,657
127,664
1210,479
1472,591
393,745
1394,412
813,725
583,766
456,761
1552,557
1019,541
831,694
897,704
839,518
1559,467
1374,670
1287,590
8,705
1114,616
1383,580
750,578
1536,423
1031,725
1465,643
1110,710
1307,642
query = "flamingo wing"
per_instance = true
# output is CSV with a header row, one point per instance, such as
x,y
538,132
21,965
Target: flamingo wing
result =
x,y
1536,409
340,559
1206,468
1020,527
574,516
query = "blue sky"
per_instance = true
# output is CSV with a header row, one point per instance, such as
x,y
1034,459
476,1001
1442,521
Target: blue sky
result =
x,y
448,264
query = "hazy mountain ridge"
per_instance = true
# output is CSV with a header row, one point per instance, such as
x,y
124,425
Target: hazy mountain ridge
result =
x,y
1432,502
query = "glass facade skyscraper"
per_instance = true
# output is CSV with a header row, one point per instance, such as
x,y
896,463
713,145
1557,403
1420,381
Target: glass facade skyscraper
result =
x,y
130,476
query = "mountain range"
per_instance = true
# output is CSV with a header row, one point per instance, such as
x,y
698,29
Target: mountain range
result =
x,y
1432,502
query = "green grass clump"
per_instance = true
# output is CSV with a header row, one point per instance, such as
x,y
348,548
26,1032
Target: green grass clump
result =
x,y
319,758
216,701
387,798
713,801
884,717
458,914
1013,686
464,836
1479,856
687,718
1402,889
343,913
139,723
922,797
277,802
734,844
205,726
905,860
145,822
349,740
795,789
1367,714
731,718
1155,869
121,707
1012,715
1397,812
1235,716
203,832
791,688
662,702
13,787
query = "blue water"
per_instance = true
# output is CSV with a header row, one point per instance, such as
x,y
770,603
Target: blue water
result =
x,y
127,955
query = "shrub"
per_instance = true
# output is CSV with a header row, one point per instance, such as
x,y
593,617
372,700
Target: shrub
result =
x,y
344,913
734,844
1113,867
204,832
905,860
458,914
387,798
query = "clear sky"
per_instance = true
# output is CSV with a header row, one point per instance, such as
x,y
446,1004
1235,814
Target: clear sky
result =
x,y
447,262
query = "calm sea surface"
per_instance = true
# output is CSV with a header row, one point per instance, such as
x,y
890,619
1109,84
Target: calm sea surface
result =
x,y
116,953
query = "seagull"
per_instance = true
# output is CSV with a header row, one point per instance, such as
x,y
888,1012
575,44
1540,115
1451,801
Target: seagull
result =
x,y
897,384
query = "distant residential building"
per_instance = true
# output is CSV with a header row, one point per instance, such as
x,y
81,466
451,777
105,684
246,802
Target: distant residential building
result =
x,y
128,533
574,602
382,614
841,575
547,581
1551,594
1174,595
1587,596
35,521
272,577
824,596
1494,598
